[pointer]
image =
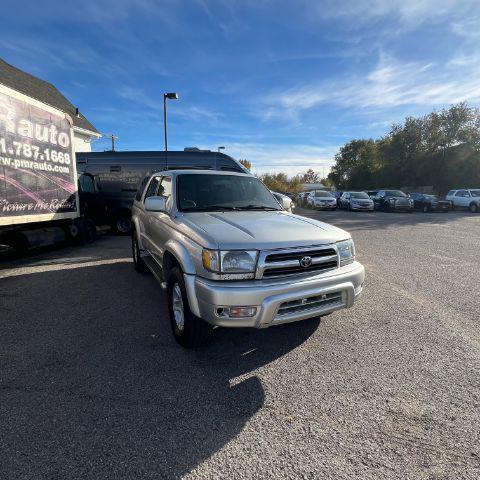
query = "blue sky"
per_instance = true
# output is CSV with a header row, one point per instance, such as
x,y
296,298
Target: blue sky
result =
x,y
281,83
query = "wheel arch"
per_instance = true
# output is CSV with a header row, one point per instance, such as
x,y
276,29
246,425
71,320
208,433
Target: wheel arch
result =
x,y
176,253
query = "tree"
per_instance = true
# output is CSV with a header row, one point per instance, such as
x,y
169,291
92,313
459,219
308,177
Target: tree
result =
x,y
246,164
441,149
311,177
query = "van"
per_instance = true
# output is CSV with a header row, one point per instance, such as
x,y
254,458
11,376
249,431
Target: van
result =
x,y
108,181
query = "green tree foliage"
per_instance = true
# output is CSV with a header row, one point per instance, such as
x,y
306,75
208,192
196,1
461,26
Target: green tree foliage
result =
x,y
280,182
440,149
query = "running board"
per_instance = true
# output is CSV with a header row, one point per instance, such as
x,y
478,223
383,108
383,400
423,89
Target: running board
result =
x,y
155,268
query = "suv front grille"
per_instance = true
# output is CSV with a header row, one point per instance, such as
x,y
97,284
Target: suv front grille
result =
x,y
288,262
303,305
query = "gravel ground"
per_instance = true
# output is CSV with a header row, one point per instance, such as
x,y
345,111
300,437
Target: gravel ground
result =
x,y
93,386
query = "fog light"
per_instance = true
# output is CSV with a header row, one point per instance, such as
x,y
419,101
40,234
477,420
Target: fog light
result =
x,y
236,312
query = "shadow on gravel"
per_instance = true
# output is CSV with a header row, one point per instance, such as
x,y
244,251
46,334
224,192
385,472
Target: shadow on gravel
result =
x,y
92,384
378,220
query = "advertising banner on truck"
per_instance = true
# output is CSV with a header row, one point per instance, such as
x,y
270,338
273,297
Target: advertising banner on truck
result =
x,y
37,161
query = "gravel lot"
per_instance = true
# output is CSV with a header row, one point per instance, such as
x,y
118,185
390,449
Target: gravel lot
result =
x,y
93,386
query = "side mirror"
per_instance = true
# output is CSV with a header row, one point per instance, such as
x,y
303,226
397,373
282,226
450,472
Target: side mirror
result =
x,y
156,204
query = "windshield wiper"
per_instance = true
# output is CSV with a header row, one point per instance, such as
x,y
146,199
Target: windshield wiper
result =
x,y
210,208
257,207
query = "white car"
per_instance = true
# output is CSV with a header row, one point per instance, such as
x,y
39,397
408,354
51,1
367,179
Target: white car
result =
x,y
284,200
467,198
321,199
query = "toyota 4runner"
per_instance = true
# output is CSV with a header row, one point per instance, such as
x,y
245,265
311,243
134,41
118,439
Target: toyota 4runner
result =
x,y
229,255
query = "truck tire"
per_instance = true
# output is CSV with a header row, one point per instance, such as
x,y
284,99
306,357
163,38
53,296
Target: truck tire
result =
x,y
122,225
138,262
189,331
473,207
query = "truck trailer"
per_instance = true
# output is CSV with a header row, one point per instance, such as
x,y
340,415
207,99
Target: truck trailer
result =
x,y
39,202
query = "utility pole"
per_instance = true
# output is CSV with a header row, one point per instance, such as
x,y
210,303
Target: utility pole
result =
x,y
112,138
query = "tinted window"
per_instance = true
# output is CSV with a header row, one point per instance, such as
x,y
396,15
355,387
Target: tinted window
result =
x,y
152,187
461,193
394,193
223,192
86,184
359,195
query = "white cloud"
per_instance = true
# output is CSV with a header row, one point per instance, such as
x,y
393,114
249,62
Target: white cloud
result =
x,y
408,13
390,84
290,159
192,112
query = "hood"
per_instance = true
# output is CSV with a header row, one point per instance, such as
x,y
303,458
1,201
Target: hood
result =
x,y
324,198
261,230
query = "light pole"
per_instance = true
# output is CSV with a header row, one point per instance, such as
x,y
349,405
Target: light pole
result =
x,y
220,148
170,96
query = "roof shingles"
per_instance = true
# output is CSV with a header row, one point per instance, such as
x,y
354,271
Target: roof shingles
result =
x,y
41,90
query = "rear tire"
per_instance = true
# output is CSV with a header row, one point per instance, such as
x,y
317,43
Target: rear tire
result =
x,y
425,209
122,225
189,331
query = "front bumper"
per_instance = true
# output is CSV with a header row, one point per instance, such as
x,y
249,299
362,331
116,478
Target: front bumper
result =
x,y
325,206
321,294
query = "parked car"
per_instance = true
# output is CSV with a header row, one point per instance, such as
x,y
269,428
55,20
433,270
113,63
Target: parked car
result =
x,y
231,257
356,201
301,199
284,200
321,199
109,180
393,200
337,194
467,198
429,203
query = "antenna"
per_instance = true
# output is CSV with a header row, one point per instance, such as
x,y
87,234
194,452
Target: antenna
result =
x,y
113,138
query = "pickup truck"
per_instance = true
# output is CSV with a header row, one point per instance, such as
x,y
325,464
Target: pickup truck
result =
x,y
228,255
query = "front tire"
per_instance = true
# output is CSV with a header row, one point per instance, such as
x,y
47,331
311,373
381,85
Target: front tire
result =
x,y
473,207
425,209
138,262
189,331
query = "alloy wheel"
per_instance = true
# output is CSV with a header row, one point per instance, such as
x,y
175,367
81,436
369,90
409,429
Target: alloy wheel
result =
x,y
178,309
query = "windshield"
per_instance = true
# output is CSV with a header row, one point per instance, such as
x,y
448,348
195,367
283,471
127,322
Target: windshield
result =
x,y
394,193
321,193
203,192
359,195
475,193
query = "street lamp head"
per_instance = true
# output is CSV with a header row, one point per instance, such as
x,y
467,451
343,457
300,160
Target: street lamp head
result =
x,y
171,96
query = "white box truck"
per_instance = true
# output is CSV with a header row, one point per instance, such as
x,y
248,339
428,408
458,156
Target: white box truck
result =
x,y
38,180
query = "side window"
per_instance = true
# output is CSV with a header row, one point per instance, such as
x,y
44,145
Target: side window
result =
x,y
165,187
380,194
152,187
461,193
86,184
165,190
141,189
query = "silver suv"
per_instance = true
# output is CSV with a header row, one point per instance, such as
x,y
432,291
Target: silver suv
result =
x,y
228,255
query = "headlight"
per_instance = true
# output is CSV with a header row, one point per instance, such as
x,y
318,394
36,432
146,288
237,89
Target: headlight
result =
x,y
346,250
230,261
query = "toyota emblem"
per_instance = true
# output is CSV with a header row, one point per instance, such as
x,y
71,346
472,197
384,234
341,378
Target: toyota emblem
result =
x,y
305,262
